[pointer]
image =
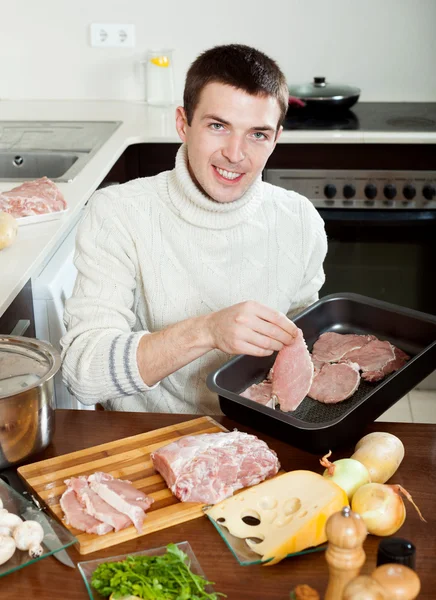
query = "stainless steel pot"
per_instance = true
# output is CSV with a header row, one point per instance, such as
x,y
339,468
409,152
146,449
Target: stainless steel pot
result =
x,y
325,96
27,369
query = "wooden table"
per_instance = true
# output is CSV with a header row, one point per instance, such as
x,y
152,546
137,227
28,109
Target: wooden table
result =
x,y
75,430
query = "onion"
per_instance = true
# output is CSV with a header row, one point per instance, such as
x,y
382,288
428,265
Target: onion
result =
x,y
8,229
347,473
381,507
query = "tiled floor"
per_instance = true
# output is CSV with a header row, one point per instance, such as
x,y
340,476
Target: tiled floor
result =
x,y
418,406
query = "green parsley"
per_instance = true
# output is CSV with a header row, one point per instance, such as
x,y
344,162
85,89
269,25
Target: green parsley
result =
x,y
166,577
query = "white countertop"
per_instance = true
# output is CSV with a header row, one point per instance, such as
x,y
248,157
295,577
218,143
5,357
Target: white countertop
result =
x,y
140,124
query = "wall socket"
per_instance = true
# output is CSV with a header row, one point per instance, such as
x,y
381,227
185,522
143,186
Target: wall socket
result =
x,y
112,35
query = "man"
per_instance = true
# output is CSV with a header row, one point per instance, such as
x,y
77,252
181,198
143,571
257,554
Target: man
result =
x,y
180,271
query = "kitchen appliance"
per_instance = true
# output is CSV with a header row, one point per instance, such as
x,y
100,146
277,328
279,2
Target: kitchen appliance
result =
x,y
318,427
27,368
322,95
376,191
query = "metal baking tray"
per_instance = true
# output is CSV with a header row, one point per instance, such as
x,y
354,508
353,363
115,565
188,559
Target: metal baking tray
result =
x,y
318,427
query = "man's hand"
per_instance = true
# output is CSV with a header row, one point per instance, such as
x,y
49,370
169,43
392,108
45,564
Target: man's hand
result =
x,y
250,328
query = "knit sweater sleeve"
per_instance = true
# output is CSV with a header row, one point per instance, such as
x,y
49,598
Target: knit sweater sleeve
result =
x,y
99,348
314,252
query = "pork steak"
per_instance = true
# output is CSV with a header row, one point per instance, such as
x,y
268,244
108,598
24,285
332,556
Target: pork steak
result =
x,y
335,382
33,198
396,363
292,374
332,347
209,467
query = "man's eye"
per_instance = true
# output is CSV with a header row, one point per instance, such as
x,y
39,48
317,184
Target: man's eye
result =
x,y
217,126
259,135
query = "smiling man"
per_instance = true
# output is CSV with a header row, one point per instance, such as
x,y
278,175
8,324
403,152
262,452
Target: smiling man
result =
x,y
178,272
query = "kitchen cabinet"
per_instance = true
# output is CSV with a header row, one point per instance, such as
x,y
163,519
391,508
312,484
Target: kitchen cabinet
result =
x,y
20,314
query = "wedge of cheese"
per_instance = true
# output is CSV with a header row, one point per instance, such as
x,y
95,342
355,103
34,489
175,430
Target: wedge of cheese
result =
x,y
282,515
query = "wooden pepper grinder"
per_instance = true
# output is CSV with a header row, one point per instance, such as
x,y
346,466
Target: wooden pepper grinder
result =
x,y
345,556
387,582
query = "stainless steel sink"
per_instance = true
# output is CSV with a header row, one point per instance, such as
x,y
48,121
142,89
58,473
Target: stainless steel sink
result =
x,y
32,165
56,149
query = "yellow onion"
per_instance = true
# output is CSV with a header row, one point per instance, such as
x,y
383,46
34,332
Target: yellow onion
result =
x,y
381,507
347,473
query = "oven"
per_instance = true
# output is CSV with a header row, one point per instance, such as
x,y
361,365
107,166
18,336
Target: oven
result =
x,y
371,174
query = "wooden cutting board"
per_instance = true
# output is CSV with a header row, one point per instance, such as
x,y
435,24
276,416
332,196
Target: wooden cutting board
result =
x,y
128,458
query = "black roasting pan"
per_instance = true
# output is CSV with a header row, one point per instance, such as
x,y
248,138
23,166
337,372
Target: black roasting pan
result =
x,y
318,427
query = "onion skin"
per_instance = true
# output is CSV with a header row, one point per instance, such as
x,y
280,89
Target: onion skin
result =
x,y
347,473
381,508
381,453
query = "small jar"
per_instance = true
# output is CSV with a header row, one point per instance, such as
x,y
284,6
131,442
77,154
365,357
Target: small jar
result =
x,y
159,77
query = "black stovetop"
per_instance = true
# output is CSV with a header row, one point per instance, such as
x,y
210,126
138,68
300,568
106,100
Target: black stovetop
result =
x,y
367,116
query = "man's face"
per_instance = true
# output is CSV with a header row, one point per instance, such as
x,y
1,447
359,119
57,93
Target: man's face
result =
x,y
230,138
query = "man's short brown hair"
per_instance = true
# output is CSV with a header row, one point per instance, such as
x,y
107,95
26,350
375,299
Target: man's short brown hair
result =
x,y
239,66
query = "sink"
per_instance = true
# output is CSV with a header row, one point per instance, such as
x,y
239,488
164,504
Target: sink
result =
x,y
55,149
32,165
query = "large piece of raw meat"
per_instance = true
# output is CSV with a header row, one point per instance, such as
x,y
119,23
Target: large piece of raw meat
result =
x,y
209,467
32,198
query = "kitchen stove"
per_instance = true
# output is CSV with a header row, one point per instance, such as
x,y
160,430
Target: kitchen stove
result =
x,y
387,189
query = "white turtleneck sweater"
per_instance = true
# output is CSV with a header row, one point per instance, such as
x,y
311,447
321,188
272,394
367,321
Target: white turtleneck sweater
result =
x,y
155,251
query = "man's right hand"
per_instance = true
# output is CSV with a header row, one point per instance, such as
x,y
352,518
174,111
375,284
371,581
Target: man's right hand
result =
x,y
250,328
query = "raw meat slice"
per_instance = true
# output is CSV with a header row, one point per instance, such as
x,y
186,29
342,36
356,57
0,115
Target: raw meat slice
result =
x,y
76,516
317,365
96,506
292,374
31,198
375,355
335,382
122,496
260,392
400,359
332,347
211,466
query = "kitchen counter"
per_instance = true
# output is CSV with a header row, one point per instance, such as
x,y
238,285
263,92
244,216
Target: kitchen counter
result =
x,y
140,124
76,430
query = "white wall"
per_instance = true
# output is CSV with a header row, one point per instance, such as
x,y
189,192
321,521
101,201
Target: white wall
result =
x,y
386,47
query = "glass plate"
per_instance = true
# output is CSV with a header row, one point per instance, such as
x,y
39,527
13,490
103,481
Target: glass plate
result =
x,y
56,537
87,568
243,554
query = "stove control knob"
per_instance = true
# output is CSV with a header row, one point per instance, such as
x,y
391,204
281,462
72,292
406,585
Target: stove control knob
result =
x,y
409,191
349,191
330,190
429,191
370,191
370,202
390,191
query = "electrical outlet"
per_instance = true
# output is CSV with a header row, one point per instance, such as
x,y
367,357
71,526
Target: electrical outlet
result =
x,y
112,35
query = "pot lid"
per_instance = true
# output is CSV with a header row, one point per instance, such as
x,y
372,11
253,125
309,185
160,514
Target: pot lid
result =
x,y
25,363
319,89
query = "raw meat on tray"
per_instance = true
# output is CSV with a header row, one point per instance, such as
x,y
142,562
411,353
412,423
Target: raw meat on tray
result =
x,y
292,374
32,198
211,466
335,382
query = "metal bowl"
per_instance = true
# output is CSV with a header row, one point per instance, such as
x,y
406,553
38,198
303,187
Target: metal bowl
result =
x,y
27,369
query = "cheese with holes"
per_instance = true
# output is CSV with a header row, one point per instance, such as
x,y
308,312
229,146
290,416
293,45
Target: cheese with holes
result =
x,y
283,515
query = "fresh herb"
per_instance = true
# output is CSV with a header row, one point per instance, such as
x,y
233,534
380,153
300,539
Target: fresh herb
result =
x,y
166,577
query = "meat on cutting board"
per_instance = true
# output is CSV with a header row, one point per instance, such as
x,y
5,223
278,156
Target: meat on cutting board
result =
x,y
292,374
332,347
32,198
209,467
76,516
335,382
121,495
96,506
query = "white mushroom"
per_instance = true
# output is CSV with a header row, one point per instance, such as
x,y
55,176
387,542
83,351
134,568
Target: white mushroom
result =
x,y
7,548
8,522
28,536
